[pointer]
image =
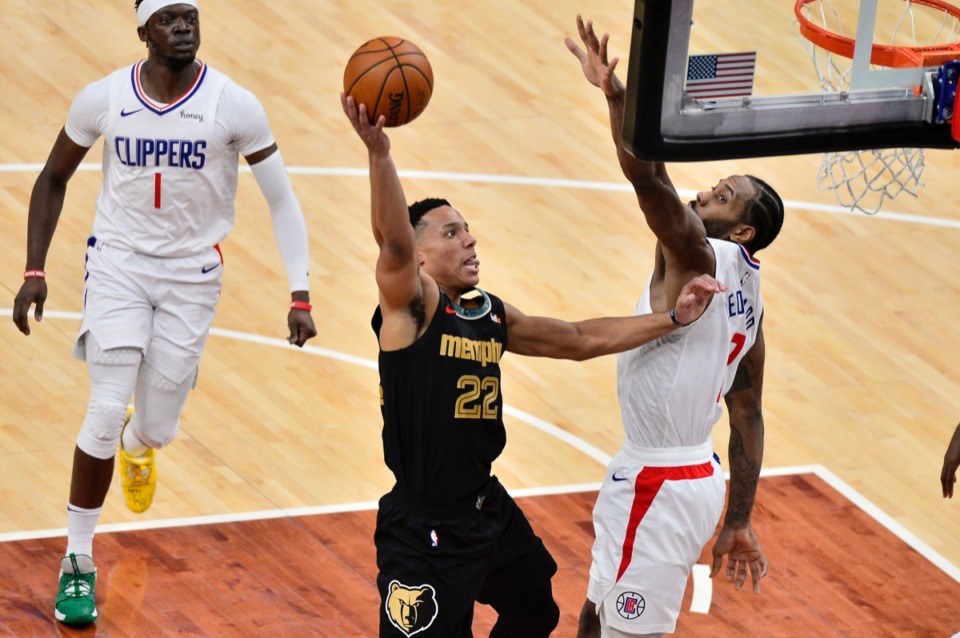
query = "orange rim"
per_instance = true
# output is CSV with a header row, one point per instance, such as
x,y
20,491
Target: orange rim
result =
x,y
883,54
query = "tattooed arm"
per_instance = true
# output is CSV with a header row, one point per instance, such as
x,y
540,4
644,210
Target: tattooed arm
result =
x,y
737,539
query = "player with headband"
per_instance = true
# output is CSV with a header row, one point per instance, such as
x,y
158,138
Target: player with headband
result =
x,y
173,131
147,8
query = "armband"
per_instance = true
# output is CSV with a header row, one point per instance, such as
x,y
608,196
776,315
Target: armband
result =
x,y
676,322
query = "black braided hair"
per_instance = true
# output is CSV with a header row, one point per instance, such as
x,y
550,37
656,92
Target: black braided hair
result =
x,y
765,214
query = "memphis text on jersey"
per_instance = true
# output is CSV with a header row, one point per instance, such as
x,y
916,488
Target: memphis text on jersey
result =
x,y
486,352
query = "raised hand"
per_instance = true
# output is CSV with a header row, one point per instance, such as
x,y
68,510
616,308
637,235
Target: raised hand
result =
x,y
598,70
371,134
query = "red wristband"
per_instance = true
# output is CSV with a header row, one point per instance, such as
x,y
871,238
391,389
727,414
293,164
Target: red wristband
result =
x,y
301,305
34,274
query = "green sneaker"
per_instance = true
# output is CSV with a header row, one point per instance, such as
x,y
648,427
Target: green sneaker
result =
x,y
75,599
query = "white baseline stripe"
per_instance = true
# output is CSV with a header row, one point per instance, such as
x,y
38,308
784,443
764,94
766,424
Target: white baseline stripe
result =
x,y
546,182
320,509
887,521
831,479
240,517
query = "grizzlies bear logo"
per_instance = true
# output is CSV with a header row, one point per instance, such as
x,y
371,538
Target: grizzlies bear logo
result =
x,y
411,609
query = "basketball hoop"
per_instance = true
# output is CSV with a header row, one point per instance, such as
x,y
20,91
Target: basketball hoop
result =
x,y
923,33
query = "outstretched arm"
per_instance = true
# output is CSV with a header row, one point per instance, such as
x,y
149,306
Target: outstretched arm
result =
x,y
546,337
678,229
403,285
666,215
737,539
951,460
46,205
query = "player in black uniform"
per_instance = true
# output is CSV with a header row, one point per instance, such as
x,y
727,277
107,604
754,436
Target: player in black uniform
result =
x,y
448,534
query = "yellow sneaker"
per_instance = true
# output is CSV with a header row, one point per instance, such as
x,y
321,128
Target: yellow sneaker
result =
x,y
138,475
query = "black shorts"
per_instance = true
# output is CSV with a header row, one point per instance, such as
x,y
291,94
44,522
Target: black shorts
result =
x,y
437,560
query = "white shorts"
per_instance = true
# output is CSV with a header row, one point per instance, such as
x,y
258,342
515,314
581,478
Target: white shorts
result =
x,y
162,305
656,510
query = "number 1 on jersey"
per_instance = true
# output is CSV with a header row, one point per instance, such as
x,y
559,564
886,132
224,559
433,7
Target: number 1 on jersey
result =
x,y
156,190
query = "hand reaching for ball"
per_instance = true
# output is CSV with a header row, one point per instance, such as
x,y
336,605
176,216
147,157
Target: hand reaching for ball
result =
x,y
372,135
392,77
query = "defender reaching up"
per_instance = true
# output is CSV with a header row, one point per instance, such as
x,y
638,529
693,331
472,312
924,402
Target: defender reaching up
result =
x,y
663,493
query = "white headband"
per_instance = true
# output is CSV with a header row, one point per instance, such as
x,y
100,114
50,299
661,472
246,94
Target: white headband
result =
x,y
148,7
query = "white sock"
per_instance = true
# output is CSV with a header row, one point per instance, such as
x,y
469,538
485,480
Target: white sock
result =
x,y
80,526
84,564
132,444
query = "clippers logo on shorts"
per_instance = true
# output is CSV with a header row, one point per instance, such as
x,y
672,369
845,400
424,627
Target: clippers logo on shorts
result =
x,y
411,609
630,605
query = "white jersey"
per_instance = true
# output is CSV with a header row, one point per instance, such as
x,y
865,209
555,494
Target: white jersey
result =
x,y
670,389
169,170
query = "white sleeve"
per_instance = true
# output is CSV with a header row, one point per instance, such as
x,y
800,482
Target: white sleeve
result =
x,y
89,112
289,227
245,120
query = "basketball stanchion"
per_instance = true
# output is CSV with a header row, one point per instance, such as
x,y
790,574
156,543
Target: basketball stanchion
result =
x,y
925,33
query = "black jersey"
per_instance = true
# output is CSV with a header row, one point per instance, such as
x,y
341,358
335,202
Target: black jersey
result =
x,y
441,403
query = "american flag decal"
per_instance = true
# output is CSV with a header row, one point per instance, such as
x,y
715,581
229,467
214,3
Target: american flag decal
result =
x,y
721,75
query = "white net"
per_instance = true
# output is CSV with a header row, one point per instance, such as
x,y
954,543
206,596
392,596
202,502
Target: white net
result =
x,y
863,180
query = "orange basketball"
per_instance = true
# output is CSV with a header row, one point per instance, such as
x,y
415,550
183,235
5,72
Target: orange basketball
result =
x,y
392,77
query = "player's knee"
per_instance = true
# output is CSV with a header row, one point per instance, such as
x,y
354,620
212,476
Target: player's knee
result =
x,y
160,400
546,621
534,613
548,616
156,432
538,619
101,428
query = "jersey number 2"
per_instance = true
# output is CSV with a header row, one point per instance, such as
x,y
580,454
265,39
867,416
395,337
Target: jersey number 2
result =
x,y
469,405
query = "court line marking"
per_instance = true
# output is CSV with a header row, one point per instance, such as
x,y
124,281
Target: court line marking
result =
x,y
550,429
822,472
550,182
702,589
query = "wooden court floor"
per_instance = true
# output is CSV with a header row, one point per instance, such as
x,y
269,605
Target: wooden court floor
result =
x,y
861,327
836,572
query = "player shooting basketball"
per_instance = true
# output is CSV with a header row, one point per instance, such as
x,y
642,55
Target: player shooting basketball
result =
x,y
448,534
662,496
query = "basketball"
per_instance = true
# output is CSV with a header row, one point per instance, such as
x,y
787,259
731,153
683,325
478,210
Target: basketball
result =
x,y
392,77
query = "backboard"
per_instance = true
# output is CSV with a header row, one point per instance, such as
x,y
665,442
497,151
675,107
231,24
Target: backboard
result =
x,y
664,122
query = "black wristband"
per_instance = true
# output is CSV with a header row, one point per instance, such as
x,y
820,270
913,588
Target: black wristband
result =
x,y
676,322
